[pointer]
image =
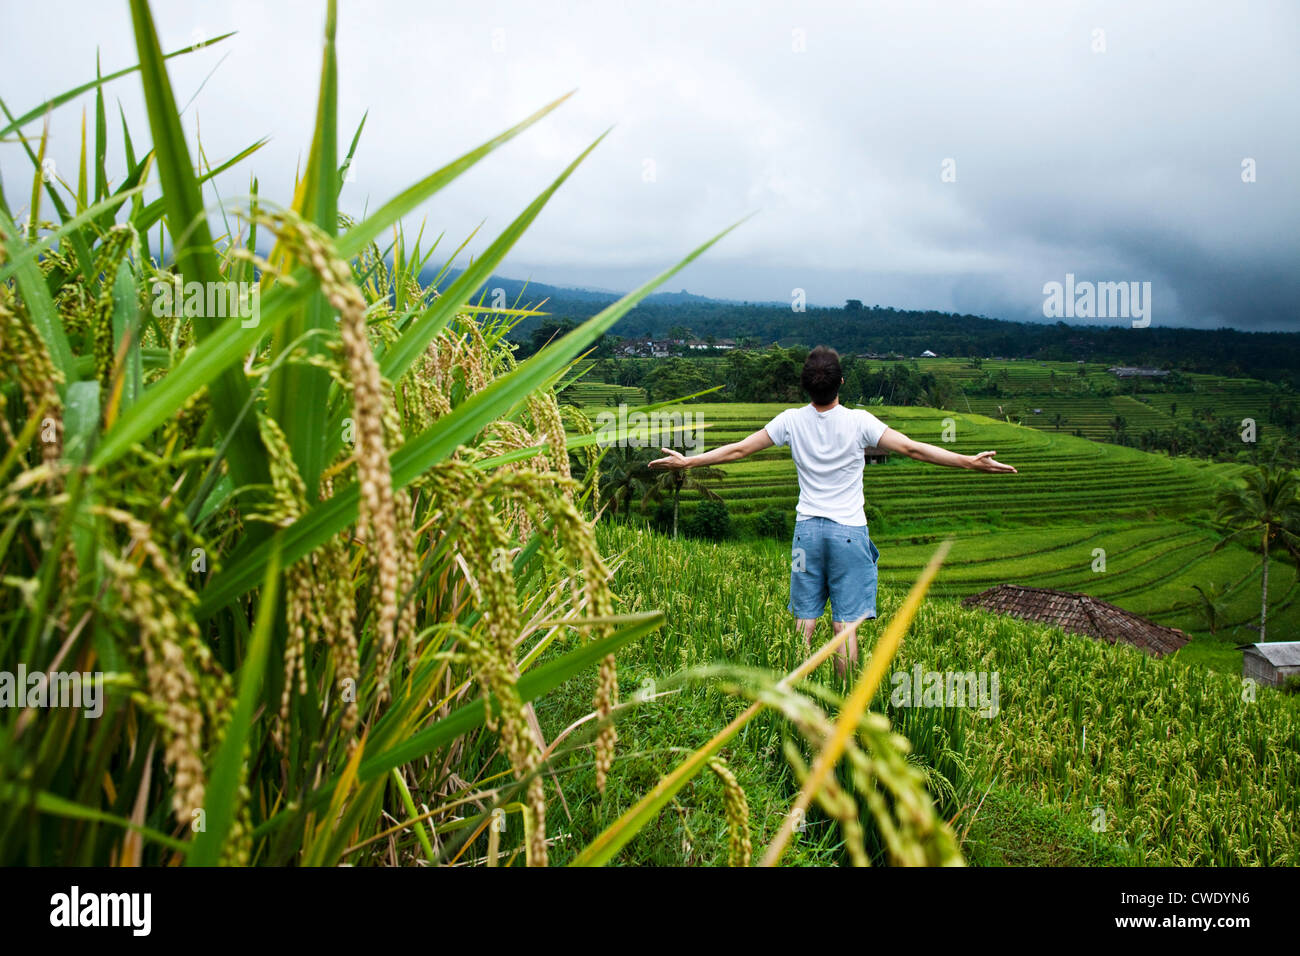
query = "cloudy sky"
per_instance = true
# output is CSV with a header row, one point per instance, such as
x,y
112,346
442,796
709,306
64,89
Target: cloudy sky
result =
x,y
922,155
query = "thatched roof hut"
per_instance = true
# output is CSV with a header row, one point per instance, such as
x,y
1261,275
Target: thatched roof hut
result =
x,y
1080,614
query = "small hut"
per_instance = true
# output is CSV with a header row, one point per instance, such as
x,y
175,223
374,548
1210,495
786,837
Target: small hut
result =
x,y
1271,662
1080,614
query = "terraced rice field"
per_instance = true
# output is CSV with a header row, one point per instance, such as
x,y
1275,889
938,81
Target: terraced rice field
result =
x,y
583,391
600,394
1089,414
1232,404
1151,515
1016,375
1057,388
1062,479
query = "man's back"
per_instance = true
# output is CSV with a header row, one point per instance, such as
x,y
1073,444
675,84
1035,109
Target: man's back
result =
x,y
827,449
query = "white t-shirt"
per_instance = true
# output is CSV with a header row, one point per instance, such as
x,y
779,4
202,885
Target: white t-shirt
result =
x,y
827,448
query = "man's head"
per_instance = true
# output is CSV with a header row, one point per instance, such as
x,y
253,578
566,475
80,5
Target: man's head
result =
x,y
822,375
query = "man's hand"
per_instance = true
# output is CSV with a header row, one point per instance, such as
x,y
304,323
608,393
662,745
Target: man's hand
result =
x,y
733,452
674,461
984,462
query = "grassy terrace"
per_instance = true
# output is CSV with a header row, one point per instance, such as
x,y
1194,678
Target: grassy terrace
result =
x,y
1058,388
1150,513
601,394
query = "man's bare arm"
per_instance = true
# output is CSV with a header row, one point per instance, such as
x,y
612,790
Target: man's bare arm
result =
x,y
893,440
724,453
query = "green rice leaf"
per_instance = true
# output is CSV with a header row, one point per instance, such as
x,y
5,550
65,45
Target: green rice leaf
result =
x,y
436,444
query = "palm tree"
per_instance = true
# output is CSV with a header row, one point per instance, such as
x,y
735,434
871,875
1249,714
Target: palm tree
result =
x,y
625,476
1058,420
1213,605
1118,424
1268,504
676,481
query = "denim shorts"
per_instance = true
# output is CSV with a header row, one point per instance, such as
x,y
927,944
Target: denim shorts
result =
x,y
835,561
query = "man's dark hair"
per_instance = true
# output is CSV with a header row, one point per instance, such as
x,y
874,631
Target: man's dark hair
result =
x,y
822,375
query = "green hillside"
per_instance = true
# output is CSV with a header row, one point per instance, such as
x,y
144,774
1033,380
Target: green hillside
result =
x,y
1151,514
1070,397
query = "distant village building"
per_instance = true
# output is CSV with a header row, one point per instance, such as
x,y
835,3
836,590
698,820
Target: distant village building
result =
x,y
662,348
928,354
1271,662
644,348
1080,614
1129,371
876,456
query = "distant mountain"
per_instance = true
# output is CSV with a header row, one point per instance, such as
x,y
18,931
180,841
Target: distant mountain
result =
x,y
885,330
534,291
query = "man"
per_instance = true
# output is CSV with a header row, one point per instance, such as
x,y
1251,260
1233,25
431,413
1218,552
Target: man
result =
x,y
832,555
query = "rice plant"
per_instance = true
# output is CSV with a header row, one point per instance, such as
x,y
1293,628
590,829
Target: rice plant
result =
x,y
319,547
1161,762
299,513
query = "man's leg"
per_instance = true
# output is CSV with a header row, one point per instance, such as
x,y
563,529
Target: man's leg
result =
x,y
847,656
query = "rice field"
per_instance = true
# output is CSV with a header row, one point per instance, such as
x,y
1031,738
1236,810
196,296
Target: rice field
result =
x,y
1150,514
600,394
1034,393
1183,769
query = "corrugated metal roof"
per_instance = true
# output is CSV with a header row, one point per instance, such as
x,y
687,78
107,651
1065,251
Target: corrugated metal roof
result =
x,y
1080,614
1278,653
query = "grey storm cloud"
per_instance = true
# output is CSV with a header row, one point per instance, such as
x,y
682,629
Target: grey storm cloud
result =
x,y
1104,139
